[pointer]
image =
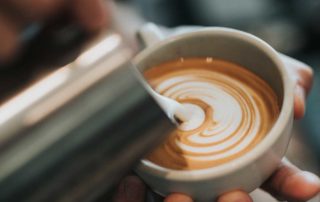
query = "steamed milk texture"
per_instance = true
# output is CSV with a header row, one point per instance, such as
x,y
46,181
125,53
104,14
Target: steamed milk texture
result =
x,y
233,110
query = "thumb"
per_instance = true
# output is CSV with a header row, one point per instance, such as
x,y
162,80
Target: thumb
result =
x,y
131,189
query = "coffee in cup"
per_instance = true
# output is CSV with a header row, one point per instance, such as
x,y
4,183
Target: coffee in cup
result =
x,y
233,111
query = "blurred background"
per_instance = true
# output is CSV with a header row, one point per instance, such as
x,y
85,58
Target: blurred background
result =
x,y
290,26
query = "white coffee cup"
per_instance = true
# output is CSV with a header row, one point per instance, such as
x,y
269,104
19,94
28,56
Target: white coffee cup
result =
x,y
249,171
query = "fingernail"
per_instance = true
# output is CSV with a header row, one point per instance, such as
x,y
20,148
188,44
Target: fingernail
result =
x,y
178,198
236,196
311,178
134,188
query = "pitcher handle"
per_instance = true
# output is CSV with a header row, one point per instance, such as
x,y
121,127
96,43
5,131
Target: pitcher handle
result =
x,y
150,34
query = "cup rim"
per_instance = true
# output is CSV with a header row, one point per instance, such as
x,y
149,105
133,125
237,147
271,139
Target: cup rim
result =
x,y
285,115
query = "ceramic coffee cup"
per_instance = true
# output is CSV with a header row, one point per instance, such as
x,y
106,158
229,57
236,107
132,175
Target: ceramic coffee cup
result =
x,y
249,171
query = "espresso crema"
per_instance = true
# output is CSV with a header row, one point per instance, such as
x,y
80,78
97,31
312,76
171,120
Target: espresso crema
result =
x,y
234,110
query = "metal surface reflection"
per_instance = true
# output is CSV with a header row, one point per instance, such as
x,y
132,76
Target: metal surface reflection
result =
x,y
70,136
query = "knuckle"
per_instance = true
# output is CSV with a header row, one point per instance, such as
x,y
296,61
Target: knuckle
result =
x,y
36,9
43,7
9,36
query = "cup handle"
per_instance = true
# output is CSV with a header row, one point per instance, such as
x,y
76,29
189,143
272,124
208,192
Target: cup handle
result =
x,y
150,34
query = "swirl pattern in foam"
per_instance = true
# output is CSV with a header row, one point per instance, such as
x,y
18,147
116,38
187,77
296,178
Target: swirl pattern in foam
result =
x,y
234,110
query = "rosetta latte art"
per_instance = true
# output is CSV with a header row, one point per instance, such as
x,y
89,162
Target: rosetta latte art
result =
x,y
234,111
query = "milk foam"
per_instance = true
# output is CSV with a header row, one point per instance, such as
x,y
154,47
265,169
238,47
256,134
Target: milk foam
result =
x,y
229,106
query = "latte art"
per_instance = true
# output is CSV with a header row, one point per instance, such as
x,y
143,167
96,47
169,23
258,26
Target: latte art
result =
x,y
233,110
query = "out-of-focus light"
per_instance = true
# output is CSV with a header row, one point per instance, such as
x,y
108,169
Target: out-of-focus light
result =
x,y
31,95
97,52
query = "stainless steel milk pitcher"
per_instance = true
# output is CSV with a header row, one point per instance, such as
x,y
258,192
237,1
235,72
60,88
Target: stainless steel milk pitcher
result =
x,y
71,135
